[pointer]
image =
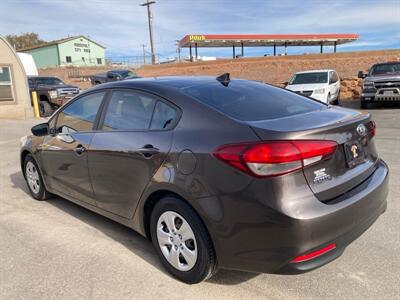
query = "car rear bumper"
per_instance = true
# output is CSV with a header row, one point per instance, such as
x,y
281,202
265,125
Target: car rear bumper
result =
x,y
365,212
299,228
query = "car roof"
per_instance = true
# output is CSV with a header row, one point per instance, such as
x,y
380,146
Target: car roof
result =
x,y
314,71
388,63
37,77
174,82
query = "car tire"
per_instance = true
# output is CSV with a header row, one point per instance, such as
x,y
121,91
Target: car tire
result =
x,y
178,233
34,179
45,109
337,100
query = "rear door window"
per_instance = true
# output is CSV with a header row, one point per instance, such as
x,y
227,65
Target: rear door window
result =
x,y
252,101
129,110
163,117
133,110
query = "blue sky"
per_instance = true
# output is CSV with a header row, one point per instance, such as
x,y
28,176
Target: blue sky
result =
x,y
121,25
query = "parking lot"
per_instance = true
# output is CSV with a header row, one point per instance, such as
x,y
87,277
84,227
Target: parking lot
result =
x,y
56,249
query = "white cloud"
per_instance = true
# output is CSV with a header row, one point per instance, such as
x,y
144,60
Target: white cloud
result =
x,y
121,25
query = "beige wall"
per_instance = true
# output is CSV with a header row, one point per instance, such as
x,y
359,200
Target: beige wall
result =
x,y
20,106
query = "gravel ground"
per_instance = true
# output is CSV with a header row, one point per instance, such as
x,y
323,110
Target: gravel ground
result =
x,y
58,250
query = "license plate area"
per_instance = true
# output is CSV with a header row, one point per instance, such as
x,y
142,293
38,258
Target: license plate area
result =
x,y
354,152
388,93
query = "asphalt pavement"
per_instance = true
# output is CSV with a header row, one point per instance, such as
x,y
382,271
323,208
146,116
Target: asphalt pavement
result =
x,y
58,250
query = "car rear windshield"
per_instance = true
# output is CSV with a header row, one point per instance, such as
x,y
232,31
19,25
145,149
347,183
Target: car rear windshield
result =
x,y
305,78
252,101
381,69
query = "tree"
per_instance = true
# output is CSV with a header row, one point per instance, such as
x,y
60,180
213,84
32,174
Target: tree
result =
x,y
24,40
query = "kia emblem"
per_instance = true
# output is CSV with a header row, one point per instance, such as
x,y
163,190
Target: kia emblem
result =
x,y
361,129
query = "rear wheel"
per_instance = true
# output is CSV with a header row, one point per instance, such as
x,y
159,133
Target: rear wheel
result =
x,y
182,241
34,179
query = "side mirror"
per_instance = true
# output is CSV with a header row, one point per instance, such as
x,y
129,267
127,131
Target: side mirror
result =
x,y
40,129
361,74
286,83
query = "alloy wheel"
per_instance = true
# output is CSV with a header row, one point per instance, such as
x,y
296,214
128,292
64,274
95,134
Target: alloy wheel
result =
x,y
32,176
177,241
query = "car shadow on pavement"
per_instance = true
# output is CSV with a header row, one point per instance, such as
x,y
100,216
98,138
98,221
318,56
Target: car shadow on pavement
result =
x,y
124,235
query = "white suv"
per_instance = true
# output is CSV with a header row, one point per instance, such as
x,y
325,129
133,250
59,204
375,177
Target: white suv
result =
x,y
322,85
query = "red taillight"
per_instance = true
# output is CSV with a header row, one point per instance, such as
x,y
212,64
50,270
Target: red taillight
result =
x,y
273,152
372,128
275,157
313,254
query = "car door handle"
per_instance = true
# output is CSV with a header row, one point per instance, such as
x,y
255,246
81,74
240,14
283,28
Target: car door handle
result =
x,y
148,150
79,149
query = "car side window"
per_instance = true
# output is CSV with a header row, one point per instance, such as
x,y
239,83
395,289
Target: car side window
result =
x,y
336,76
163,116
129,110
333,77
80,115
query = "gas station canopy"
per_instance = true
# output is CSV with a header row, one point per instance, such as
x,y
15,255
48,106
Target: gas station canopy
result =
x,y
257,40
260,40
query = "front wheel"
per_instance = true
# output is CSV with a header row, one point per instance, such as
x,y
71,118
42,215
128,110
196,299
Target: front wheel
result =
x,y
336,101
34,179
182,241
45,109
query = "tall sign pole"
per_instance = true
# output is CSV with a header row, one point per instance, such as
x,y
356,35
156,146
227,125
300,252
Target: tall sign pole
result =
x,y
144,54
149,18
178,49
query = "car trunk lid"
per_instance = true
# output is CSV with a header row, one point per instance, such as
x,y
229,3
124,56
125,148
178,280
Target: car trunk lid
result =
x,y
354,159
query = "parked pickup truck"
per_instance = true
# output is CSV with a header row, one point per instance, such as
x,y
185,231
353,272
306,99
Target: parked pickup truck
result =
x,y
52,92
381,84
112,75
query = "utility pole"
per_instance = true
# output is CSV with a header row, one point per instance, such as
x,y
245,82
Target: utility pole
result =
x,y
144,54
148,3
178,49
